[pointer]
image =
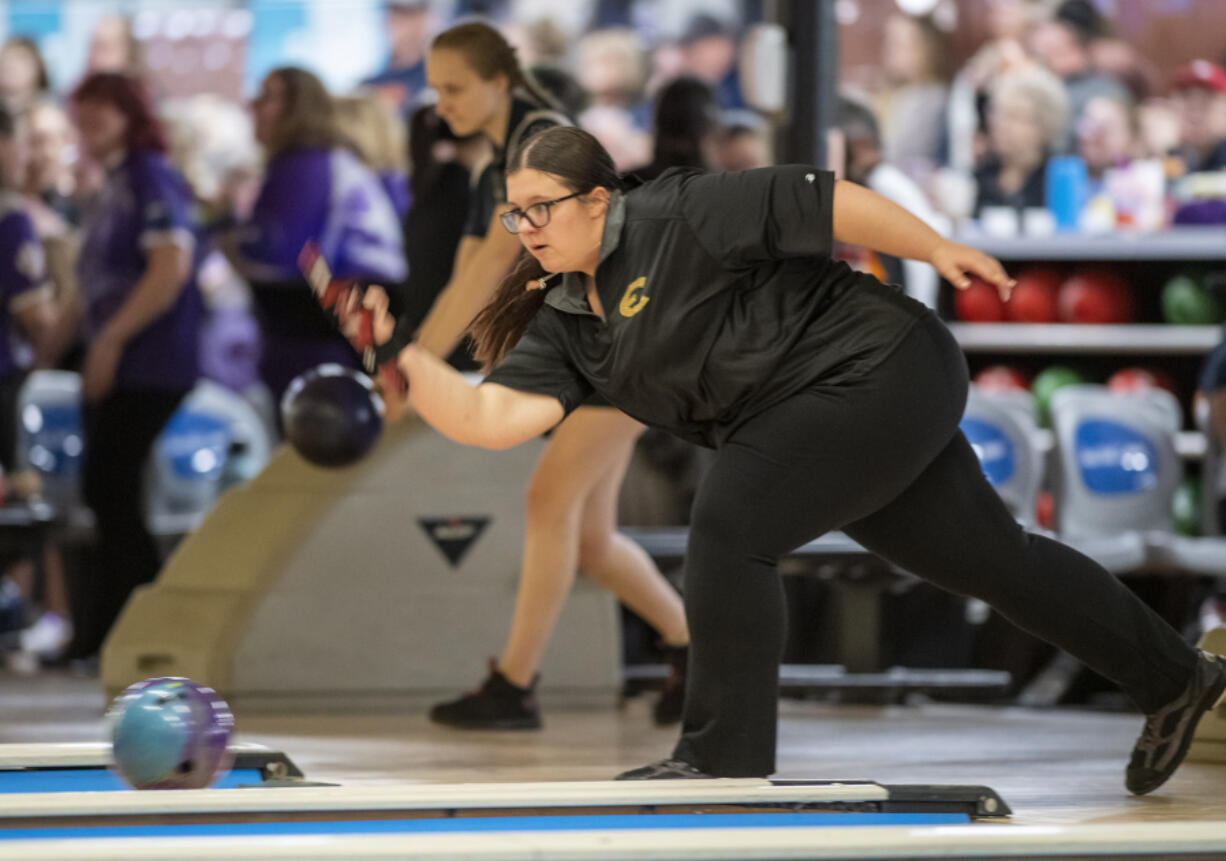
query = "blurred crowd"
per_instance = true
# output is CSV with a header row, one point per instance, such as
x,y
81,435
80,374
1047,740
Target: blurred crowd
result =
x,y
155,240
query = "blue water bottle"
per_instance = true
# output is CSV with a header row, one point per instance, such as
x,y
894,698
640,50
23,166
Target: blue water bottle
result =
x,y
1066,187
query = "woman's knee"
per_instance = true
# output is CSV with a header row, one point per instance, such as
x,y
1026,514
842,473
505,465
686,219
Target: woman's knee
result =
x,y
595,548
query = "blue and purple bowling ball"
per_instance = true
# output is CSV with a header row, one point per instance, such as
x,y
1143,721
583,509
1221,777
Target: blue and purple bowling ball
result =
x,y
170,733
332,415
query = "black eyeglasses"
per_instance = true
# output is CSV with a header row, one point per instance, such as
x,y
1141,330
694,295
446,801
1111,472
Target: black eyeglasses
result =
x,y
538,214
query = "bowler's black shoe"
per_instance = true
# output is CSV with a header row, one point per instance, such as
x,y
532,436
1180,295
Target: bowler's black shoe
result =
x,y
497,704
1168,732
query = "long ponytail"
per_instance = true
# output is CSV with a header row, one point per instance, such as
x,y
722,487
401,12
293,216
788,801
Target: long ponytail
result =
x,y
579,162
515,302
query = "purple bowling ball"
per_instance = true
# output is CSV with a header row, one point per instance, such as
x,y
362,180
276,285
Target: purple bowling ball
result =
x,y
170,733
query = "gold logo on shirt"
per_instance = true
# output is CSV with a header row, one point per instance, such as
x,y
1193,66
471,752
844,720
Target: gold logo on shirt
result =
x,y
634,298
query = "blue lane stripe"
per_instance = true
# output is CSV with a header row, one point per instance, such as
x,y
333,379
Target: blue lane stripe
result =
x,y
96,780
500,823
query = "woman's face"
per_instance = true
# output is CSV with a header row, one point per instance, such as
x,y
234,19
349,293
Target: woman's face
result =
x,y
465,100
570,241
1202,116
1013,127
267,108
18,75
51,142
102,128
903,53
1104,134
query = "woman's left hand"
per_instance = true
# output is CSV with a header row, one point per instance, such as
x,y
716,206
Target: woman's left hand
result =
x,y
98,370
954,262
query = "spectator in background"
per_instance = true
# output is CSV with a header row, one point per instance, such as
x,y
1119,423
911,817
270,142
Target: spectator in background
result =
x,y
141,314
708,51
912,107
1027,120
403,79
23,74
1008,24
28,312
864,163
1106,136
439,167
211,145
744,142
1199,91
377,137
314,189
563,87
628,145
1158,132
538,42
611,66
113,47
53,145
1062,44
687,127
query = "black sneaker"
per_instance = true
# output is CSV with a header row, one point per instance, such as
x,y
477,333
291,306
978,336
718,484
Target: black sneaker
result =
x,y
497,704
667,710
665,769
1168,732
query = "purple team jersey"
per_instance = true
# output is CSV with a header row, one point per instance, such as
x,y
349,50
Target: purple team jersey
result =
x,y
329,197
144,204
23,275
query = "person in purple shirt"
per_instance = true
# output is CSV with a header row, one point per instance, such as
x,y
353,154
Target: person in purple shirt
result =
x,y
26,296
140,314
314,189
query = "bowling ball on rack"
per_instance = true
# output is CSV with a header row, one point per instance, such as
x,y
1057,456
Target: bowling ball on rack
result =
x,y
1035,297
979,303
1096,295
1129,380
1187,302
995,378
1047,383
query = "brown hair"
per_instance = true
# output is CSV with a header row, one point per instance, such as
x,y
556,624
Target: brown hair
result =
x,y
577,160
489,54
127,94
308,118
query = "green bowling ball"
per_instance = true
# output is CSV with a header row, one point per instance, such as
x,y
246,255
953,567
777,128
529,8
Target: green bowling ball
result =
x,y
1045,385
1186,302
1185,507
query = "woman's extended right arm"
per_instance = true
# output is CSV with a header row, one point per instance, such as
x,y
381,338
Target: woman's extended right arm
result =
x,y
488,415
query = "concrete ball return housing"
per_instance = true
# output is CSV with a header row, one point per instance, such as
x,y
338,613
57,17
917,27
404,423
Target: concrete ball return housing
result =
x,y
386,584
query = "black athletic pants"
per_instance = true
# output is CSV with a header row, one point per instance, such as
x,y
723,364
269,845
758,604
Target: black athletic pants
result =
x,y
119,431
882,459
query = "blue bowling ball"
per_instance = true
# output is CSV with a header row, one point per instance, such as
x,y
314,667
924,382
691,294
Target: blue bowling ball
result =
x,y
170,733
332,415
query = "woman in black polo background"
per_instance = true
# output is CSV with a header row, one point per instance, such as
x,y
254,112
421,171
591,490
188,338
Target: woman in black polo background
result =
x,y
708,306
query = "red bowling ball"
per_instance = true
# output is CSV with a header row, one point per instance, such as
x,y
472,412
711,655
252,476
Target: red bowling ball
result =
x,y
1129,380
979,303
1035,297
997,378
1096,295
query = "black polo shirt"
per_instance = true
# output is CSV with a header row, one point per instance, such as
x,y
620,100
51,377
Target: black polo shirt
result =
x,y
721,299
488,189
